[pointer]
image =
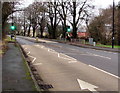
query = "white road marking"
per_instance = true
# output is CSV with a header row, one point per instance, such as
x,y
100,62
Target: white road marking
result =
x,y
72,61
38,64
105,71
98,55
105,51
102,56
25,48
28,53
37,45
85,85
42,46
115,53
71,58
34,58
51,50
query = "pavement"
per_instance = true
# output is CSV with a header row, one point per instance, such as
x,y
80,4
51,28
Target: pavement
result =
x,y
15,75
71,68
0,66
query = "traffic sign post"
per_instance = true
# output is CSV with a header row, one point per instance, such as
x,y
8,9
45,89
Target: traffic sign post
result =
x,y
13,32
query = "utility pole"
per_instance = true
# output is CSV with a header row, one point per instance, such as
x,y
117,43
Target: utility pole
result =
x,y
1,20
113,25
12,27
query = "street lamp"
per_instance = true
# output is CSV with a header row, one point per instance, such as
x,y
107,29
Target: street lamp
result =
x,y
113,26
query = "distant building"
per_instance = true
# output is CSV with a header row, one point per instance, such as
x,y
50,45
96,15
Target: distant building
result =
x,y
83,35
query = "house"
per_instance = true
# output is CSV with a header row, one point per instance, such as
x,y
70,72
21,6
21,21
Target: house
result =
x,y
83,35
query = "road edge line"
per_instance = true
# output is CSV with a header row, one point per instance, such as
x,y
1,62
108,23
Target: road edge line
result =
x,y
104,71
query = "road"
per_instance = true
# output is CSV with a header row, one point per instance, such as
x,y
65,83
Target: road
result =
x,y
71,68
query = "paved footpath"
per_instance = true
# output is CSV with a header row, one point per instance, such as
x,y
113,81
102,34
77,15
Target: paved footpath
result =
x,y
15,74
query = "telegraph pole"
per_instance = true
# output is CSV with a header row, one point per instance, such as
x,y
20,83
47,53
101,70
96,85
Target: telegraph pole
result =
x,y
113,25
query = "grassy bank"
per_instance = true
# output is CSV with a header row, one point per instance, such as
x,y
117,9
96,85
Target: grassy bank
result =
x,y
3,45
8,39
110,46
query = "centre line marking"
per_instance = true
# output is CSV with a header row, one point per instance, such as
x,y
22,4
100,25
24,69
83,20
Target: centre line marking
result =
x,y
98,55
105,71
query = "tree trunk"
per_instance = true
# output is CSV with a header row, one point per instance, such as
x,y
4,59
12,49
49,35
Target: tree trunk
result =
x,y
119,25
64,28
29,30
52,27
41,32
24,31
33,31
3,30
74,21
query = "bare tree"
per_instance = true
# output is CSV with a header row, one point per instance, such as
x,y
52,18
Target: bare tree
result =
x,y
118,22
100,28
42,17
7,9
79,11
54,19
63,12
35,13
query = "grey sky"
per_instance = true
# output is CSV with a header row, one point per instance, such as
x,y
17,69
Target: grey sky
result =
x,y
98,3
104,3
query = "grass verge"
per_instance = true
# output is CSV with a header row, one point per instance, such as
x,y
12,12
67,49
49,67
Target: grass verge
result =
x,y
100,45
8,39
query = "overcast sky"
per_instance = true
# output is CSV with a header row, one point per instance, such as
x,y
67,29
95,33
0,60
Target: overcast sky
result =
x,y
104,3
98,3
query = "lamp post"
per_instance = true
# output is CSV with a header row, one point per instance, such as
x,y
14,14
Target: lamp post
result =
x,y
113,26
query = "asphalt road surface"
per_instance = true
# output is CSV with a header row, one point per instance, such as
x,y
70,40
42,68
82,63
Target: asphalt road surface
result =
x,y
71,68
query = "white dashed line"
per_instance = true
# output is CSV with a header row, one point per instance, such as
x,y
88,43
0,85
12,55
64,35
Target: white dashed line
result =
x,y
28,53
71,58
115,53
52,51
37,45
42,46
38,64
98,55
104,71
72,61
34,58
